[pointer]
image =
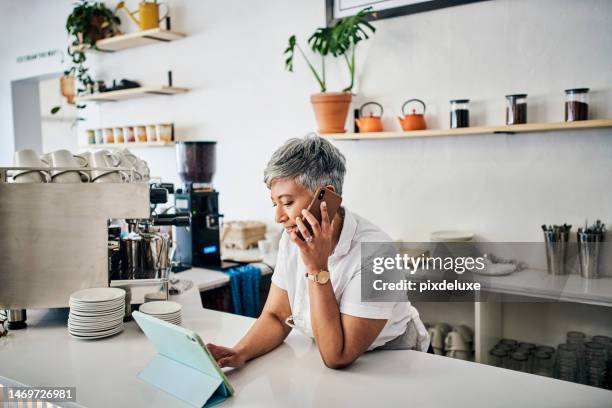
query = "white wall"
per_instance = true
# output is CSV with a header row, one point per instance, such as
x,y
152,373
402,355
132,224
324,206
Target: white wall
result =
x,y
501,187
59,130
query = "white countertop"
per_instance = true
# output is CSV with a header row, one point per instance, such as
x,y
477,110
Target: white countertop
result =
x,y
104,371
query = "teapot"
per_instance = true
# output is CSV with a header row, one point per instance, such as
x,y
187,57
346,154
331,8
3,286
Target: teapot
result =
x,y
370,123
413,121
149,14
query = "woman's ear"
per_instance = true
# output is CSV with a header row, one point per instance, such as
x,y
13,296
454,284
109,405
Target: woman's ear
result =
x,y
330,187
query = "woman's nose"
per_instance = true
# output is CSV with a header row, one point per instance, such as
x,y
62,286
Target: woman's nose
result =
x,y
279,215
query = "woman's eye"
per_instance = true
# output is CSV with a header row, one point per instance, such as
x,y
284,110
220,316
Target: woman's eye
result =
x,y
288,204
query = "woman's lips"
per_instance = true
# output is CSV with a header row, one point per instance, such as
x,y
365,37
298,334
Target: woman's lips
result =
x,y
291,229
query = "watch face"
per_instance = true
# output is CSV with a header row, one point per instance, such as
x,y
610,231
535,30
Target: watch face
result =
x,y
323,277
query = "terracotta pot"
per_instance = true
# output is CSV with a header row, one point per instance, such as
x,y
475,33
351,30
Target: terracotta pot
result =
x,y
330,110
68,88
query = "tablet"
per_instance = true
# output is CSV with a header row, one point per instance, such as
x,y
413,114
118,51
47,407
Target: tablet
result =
x,y
183,366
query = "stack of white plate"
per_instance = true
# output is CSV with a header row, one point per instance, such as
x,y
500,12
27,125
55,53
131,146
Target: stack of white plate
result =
x,y
96,313
164,310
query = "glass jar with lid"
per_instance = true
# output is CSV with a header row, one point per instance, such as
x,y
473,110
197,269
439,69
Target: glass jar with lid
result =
x,y
516,109
576,104
460,113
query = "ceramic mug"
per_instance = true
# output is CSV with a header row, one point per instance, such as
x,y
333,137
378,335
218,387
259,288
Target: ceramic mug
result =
x,y
101,159
64,158
29,158
128,160
115,176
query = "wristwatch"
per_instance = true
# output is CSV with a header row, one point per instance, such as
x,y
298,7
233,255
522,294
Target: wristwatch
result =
x,y
321,277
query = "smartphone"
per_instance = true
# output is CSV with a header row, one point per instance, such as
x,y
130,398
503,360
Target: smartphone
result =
x,y
332,200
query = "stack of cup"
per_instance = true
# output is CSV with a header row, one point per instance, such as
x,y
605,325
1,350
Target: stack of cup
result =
x,y
103,159
29,158
64,158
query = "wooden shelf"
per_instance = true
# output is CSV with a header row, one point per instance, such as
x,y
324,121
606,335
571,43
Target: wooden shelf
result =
x,y
480,130
134,145
132,93
138,39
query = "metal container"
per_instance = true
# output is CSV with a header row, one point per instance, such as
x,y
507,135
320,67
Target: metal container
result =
x,y
556,251
588,254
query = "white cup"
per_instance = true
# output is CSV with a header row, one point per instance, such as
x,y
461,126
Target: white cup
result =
x,y
102,159
274,236
64,158
30,177
113,177
455,342
265,246
438,334
128,160
29,158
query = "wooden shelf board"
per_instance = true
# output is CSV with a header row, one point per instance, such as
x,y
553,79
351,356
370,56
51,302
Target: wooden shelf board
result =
x,y
479,130
118,145
132,93
133,40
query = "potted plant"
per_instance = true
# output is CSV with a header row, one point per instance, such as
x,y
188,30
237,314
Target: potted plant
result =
x,y
339,41
88,23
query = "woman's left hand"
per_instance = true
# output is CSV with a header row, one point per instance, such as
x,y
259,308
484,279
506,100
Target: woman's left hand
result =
x,y
316,248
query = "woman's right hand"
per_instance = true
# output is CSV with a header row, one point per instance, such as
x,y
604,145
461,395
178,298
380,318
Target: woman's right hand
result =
x,y
225,356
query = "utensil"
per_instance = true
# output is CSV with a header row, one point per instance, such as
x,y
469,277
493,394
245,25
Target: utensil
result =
x,y
413,121
370,123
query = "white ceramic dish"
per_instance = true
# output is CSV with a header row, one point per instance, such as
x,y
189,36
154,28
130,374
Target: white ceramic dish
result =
x,y
98,295
160,307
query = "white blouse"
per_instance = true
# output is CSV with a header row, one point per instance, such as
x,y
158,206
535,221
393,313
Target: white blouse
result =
x,y
345,275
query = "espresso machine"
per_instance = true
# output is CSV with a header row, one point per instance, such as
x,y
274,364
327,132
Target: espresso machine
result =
x,y
139,256
199,244
56,239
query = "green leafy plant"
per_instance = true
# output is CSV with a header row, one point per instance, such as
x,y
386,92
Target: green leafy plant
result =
x,y
339,40
88,23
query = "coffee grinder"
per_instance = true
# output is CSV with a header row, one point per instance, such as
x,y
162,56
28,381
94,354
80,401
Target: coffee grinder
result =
x,y
199,244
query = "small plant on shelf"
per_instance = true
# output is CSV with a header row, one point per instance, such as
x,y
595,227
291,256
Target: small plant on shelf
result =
x,y
88,23
338,41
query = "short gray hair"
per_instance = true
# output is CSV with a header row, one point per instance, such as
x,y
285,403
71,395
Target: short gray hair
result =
x,y
312,161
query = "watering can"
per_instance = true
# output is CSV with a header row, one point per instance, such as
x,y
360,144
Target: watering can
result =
x,y
413,121
370,123
149,14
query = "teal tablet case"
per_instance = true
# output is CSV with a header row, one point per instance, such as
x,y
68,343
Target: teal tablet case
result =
x,y
183,365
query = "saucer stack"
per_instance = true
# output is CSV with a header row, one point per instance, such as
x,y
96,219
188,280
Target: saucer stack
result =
x,y
164,310
96,313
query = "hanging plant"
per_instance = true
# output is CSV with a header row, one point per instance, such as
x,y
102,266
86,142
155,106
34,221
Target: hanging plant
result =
x,y
88,23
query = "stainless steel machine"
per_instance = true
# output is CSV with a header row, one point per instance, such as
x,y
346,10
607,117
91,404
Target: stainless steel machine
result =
x,y
54,240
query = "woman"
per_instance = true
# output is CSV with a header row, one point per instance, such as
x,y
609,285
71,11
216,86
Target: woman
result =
x,y
330,311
